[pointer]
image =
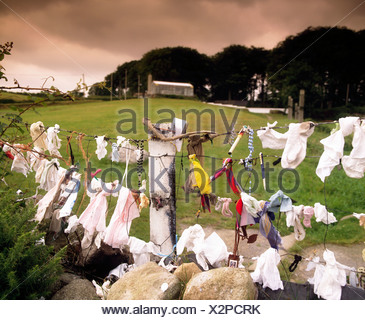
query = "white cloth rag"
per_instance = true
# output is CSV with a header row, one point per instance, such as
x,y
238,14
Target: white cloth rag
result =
x,y
293,219
329,278
267,272
322,215
213,249
72,189
52,140
358,215
34,159
73,222
103,290
272,139
39,135
294,142
20,163
251,204
354,164
101,147
192,239
333,147
141,250
120,270
296,145
115,152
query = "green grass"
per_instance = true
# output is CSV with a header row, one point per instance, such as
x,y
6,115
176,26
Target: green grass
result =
x,y
6,97
344,195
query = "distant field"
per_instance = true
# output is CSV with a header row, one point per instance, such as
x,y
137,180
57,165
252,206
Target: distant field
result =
x,y
9,97
343,194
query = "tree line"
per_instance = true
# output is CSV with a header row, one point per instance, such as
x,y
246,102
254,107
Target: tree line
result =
x,y
328,63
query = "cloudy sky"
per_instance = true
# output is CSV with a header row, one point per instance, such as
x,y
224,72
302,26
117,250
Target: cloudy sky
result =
x,y
67,39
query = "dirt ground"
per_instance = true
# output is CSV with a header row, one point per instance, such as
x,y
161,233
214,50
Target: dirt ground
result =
x,y
350,256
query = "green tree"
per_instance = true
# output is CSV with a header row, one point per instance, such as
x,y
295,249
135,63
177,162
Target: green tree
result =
x,y
99,89
258,58
326,62
126,76
179,64
232,74
239,73
297,76
359,88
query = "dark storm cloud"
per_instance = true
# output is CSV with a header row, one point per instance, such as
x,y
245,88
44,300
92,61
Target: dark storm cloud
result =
x,y
100,34
134,27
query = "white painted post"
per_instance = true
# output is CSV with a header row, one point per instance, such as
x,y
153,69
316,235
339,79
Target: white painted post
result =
x,y
162,190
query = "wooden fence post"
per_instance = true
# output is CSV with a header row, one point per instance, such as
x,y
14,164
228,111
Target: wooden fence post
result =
x,y
290,107
296,111
301,105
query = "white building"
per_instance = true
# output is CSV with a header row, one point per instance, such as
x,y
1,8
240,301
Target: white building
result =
x,y
170,88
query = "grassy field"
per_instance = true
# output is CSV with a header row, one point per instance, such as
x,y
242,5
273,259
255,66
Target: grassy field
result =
x,y
8,97
342,195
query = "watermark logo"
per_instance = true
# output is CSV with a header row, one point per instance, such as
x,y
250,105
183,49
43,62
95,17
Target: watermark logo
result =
x,y
128,123
161,180
157,180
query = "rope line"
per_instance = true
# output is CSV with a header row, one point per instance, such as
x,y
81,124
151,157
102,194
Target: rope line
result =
x,y
194,133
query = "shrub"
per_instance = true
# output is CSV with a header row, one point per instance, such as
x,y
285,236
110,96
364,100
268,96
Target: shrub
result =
x,y
28,268
335,113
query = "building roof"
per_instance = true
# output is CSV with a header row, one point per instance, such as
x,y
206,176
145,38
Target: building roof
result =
x,y
166,83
